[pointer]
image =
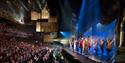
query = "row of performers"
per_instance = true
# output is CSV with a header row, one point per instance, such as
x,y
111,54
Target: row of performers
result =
x,y
89,45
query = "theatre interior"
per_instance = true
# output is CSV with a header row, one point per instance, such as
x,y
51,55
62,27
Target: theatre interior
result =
x,y
62,31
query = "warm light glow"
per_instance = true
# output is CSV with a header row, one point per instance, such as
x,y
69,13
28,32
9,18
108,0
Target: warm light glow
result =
x,y
38,27
47,38
64,41
56,39
45,14
49,26
52,19
35,15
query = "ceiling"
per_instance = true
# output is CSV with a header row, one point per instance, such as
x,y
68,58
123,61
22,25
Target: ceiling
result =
x,y
67,10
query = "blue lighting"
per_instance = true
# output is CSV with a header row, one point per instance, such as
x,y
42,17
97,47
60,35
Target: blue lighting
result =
x,y
104,31
88,24
89,14
100,31
99,25
81,14
66,34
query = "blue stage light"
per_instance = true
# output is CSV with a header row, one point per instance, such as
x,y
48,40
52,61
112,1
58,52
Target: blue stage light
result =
x,y
89,15
66,34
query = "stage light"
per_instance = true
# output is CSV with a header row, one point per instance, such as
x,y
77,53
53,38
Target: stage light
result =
x,y
17,16
61,33
99,25
66,34
38,3
24,6
89,13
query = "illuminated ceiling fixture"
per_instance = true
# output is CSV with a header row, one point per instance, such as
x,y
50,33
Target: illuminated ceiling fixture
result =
x,y
45,13
20,16
35,15
21,21
17,15
38,27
